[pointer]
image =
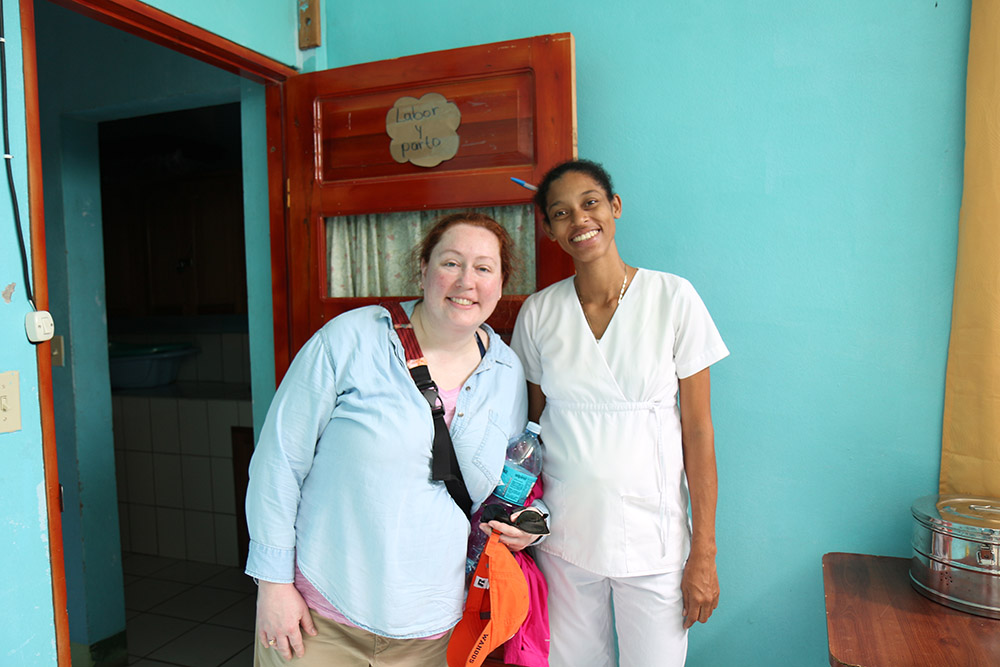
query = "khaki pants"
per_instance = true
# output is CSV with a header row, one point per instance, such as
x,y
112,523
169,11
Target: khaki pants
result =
x,y
339,645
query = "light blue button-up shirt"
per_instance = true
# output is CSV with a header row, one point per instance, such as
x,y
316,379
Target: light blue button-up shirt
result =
x,y
340,479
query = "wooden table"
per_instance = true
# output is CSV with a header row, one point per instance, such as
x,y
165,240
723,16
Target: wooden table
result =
x,y
874,618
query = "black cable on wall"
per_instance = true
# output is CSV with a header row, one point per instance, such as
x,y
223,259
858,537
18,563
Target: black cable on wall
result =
x,y
8,158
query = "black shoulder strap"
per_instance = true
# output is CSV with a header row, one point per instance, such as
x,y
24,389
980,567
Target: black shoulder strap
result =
x,y
444,464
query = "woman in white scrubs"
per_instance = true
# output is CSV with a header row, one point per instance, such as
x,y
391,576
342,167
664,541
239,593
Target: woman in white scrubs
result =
x,y
617,361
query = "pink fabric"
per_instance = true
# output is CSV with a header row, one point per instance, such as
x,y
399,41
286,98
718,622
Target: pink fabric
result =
x,y
448,399
536,492
530,646
315,601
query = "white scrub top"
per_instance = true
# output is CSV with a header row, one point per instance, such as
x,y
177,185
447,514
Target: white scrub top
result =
x,y
613,467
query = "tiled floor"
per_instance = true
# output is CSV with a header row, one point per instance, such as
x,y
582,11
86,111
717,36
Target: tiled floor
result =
x,y
187,614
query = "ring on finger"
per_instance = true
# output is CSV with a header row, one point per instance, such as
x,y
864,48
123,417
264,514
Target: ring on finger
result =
x,y
272,642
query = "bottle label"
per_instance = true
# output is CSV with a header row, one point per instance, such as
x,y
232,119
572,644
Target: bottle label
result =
x,y
515,485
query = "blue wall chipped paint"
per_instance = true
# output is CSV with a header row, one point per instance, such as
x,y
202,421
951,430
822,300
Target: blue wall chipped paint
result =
x,y
801,163
27,634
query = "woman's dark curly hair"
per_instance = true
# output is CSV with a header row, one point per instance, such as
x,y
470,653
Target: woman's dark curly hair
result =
x,y
587,167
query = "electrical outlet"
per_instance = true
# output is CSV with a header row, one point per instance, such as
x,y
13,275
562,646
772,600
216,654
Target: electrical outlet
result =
x,y
10,402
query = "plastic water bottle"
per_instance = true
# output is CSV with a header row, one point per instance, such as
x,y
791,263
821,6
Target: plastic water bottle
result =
x,y
520,472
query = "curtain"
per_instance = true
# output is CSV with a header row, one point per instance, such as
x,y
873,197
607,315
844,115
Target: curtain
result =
x,y
372,255
970,452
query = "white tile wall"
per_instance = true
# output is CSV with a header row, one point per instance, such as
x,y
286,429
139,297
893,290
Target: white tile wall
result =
x,y
223,490
165,424
123,526
135,421
197,474
170,532
121,473
140,477
142,529
175,476
117,427
222,416
193,419
169,482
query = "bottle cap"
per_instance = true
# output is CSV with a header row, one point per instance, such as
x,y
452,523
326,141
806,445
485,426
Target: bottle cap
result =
x,y
534,428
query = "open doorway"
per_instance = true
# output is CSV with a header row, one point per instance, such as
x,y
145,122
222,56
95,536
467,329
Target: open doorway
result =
x,y
172,204
175,285
138,138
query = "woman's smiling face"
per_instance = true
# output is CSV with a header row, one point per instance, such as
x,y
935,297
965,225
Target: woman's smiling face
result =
x,y
581,215
462,280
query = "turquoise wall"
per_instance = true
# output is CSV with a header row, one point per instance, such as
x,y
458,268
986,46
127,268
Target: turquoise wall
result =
x,y
82,391
257,236
27,635
801,163
265,26
115,75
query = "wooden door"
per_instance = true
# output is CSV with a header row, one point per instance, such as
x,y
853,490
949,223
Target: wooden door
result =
x,y
518,119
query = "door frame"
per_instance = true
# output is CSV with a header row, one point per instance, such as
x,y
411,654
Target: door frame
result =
x,y
518,105
156,26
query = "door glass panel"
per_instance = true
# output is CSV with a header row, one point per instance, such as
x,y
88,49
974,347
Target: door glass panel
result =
x,y
497,127
372,255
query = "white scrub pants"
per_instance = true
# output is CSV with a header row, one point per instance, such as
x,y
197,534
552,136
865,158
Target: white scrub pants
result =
x,y
647,617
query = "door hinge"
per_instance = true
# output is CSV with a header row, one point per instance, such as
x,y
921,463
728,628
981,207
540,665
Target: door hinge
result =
x,y
61,505
288,193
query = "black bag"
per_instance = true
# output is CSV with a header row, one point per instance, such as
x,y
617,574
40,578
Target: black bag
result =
x,y
444,463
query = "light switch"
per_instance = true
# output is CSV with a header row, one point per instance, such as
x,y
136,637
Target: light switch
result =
x,y
10,402
39,326
58,351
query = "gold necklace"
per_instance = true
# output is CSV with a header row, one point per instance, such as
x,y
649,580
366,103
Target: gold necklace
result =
x,y
624,281
621,295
